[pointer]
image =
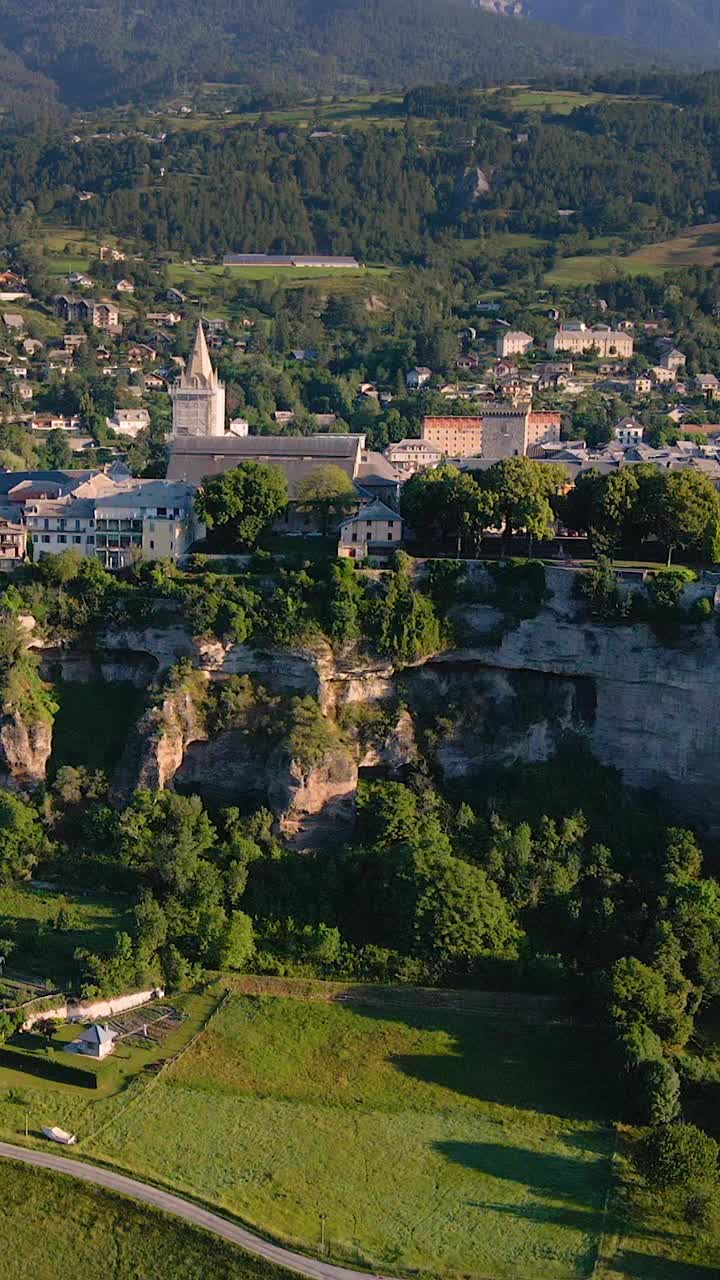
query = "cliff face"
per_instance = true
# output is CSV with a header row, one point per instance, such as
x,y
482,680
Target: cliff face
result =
x,y
644,708
24,751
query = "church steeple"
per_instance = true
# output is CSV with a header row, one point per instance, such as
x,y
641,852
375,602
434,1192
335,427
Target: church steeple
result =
x,y
200,366
198,396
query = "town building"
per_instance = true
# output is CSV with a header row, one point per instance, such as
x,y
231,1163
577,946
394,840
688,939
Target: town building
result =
x,y
410,456
628,431
374,530
129,422
672,360
98,313
13,545
288,260
418,377
576,337
454,437
198,396
513,342
505,429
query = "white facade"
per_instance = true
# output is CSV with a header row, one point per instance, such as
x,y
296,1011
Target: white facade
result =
x,y
576,337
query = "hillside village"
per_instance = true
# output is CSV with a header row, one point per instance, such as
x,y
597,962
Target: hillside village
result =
x,y
147,424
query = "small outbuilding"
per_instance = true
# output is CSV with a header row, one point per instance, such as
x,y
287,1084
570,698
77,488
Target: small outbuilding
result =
x,y
96,1040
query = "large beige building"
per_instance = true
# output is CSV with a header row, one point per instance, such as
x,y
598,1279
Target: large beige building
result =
x,y
601,339
198,397
505,430
513,342
454,437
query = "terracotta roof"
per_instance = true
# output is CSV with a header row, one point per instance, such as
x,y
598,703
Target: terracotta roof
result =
x,y
463,424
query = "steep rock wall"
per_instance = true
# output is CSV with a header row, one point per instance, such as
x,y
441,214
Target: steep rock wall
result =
x,y
24,751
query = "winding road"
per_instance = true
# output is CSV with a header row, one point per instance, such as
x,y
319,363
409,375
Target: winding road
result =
x,y
186,1210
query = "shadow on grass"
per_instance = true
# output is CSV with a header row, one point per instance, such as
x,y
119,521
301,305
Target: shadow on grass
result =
x,y
543,1174
642,1266
554,1070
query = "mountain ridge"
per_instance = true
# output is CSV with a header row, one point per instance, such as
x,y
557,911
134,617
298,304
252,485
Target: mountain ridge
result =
x,y
317,45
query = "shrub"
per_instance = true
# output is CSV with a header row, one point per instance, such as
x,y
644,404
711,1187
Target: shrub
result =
x,y
666,586
658,1090
675,1155
702,609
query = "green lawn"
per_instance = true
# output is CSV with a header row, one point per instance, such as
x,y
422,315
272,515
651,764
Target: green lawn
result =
x,y
451,1143
53,1226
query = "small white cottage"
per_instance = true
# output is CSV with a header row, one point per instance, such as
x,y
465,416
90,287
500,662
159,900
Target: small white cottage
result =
x,y
96,1040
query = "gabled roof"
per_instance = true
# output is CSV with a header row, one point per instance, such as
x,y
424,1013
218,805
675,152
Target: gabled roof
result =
x,y
374,511
97,1034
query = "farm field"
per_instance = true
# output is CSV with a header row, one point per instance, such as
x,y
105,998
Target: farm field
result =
x,y
52,1226
433,1140
699,246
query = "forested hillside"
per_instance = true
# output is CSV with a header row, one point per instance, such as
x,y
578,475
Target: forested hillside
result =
x,y
125,53
684,27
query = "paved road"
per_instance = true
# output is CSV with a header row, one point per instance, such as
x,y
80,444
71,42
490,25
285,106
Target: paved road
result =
x,y
185,1209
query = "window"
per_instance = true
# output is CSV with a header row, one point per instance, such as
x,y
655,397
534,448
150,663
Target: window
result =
x,y
77,539
90,540
354,537
152,545
45,537
61,537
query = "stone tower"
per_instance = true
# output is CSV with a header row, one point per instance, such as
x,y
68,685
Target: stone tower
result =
x,y
198,397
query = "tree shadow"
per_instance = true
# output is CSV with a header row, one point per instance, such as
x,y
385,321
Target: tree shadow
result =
x,y
643,1266
550,1067
542,1173
589,1220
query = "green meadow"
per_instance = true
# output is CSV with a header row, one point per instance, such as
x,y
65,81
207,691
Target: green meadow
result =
x,y
443,1142
52,1225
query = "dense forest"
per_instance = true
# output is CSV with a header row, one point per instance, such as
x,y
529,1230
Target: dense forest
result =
x,y
126,54
637,170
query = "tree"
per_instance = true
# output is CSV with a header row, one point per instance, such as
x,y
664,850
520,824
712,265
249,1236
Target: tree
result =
x,y
675,1155
57,454
523,489
460,914
658,1087
22,838
328,490
46,1027
241,504
448,503
163,835
408,627
238,942
688,512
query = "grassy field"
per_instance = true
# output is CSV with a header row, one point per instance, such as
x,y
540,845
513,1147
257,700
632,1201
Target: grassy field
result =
x,y
439,1141
52,1226
699,246
49,951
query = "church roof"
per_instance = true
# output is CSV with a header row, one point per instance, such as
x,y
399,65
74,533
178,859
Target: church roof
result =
x,y
193,458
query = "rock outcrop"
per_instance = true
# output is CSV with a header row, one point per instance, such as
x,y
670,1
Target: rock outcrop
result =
x,y
313,803
24,751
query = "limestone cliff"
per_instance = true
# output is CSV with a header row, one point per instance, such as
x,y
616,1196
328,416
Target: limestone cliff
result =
x,y
510,692
24,750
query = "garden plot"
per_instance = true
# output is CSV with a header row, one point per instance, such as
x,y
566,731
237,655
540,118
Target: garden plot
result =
x,y
141,1028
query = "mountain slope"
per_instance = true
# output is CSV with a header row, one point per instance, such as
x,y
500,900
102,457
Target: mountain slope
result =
x,y
678,27
125,51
